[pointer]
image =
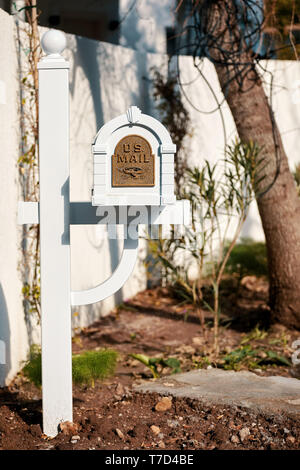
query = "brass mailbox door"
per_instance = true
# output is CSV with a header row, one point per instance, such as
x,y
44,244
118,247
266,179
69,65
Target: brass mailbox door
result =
x,y
133,163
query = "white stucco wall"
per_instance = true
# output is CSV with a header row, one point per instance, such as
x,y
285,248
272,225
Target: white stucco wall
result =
x,y
104,80
211,130
144,23
13,334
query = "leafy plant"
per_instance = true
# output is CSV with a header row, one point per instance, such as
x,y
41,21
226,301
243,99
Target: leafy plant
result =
x,y
153,362
220,201
252,358
87,367
31,293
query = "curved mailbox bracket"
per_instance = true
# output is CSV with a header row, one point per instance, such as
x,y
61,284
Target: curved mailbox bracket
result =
x,y
115,282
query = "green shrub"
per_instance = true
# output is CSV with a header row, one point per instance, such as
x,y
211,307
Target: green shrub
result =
x,y
248,258
86,367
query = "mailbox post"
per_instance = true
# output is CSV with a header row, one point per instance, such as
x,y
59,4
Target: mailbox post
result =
x,y
133,184
54,218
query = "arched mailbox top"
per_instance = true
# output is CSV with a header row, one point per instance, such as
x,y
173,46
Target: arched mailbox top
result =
x,y
135,117
133,162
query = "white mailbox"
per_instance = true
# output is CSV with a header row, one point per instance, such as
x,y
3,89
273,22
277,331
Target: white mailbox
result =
x,y
133,162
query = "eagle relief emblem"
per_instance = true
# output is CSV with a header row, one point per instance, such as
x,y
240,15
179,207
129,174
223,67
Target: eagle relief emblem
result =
x,y
133,163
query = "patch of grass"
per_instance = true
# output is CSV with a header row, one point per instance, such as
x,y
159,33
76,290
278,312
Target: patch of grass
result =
x,y
93,365
248,258
86,367
33,367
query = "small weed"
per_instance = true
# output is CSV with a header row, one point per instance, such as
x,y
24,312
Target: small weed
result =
x,y
255,335
153,362
283,340
202,363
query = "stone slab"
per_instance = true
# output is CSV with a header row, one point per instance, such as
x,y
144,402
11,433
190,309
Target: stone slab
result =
x,y
214,386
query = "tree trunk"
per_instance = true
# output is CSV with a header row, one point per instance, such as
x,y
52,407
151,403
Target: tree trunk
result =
x,y
279,208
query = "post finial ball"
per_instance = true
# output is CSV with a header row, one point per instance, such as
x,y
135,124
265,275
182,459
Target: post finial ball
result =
x,y
54,42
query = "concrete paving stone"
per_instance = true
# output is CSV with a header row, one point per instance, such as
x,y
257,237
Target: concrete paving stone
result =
x,y
215,386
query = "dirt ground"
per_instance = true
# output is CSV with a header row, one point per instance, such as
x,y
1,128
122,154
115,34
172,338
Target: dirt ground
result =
x,y
112,416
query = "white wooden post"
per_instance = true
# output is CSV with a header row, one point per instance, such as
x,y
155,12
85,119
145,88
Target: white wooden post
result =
x,y
54,233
